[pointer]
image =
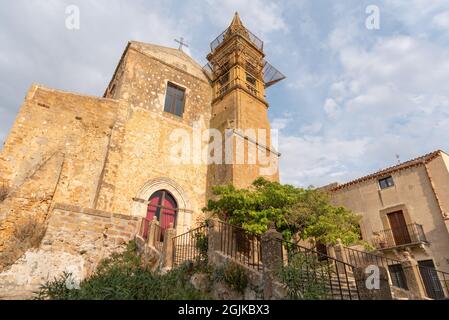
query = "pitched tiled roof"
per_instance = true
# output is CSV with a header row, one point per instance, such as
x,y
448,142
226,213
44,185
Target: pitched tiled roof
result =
x,y
402,166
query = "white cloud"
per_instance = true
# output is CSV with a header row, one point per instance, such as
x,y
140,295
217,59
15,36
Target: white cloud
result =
x,y
315,160
279,123
312,128
389,97
259,16
331,107
441,20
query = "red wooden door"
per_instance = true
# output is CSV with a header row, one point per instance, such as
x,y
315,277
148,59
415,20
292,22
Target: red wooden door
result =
x,y
151,212
168,211
153,206
163,206
399,228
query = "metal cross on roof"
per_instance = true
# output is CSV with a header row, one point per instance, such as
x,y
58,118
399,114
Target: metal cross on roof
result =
x,y
181,43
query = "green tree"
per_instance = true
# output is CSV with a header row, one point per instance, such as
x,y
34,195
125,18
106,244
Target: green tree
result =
x,y
294,211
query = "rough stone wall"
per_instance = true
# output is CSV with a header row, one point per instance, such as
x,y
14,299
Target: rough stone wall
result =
x,y
33,199
54,153
141,148
75,241
51,120
81,230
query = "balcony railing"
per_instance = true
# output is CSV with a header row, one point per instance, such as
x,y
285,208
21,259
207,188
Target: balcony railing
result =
x,y
396,237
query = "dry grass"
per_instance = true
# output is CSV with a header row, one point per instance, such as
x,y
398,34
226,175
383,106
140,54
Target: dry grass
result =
x,y
4,191
27,235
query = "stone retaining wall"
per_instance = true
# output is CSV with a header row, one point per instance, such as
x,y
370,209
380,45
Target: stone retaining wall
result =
x,y
76,240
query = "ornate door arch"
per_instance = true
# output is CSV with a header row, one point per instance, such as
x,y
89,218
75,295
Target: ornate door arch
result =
x,y
183,219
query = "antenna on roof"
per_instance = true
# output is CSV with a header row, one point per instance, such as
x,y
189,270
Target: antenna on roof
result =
x,y
398,158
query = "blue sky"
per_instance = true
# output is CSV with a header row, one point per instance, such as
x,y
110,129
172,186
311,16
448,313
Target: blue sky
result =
x,y
353,98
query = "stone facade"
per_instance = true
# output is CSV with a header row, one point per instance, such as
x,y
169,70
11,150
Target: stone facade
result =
x,y
76,241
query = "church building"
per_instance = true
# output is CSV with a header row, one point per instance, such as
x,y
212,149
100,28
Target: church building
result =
x,y
70,156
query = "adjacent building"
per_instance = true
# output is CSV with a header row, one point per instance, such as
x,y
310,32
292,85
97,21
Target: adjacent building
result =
x,y
404,208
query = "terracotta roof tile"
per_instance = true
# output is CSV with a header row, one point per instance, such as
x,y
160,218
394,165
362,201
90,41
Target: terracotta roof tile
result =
x,y
402,166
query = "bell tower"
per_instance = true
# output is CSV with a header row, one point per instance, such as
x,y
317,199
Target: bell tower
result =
x,y
239,75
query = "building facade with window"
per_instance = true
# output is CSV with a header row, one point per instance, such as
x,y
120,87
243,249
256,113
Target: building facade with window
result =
x,y
404,208
124,152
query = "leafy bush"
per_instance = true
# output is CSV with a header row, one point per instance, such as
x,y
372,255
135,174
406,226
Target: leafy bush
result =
x,y
27,234
202,244
233,275
124,277
305,278
306,212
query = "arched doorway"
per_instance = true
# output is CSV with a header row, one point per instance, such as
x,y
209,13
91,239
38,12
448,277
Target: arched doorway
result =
x,y
164,207
183,221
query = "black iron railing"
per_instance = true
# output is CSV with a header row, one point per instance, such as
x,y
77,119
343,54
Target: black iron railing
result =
x,y
271,75
316,275
190,246
243,32
435,282
240,245
403,236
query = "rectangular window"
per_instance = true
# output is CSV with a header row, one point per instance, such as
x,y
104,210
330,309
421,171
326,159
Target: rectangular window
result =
x,y
431,280
321,249
175,99
397,276
386,182
250,79
224,79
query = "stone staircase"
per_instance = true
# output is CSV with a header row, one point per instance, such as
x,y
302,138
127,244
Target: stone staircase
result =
x,y
342,288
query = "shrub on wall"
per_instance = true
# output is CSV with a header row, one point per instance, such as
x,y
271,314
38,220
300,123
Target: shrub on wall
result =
x,y
202,244
233,275
305,278
27,235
